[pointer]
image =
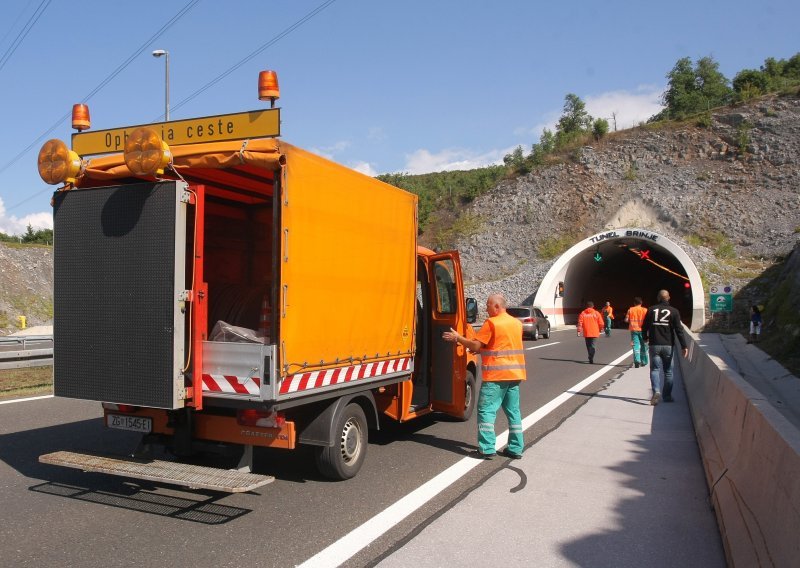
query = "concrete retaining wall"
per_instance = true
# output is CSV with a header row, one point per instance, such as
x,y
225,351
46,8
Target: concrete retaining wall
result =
x,y
751,457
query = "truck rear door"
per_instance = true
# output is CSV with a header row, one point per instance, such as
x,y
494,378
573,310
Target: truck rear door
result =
x,y
119,272
448,362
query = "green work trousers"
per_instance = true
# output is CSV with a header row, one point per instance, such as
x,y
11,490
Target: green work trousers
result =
x,y
639,348
494,395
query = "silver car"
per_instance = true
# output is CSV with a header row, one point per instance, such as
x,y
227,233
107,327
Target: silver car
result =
x,y
534,323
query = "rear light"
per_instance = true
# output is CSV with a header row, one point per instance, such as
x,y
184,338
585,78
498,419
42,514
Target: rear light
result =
x,y
261,418
126,408
527,320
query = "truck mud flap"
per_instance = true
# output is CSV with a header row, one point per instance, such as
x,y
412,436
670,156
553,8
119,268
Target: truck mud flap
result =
x,y
191,476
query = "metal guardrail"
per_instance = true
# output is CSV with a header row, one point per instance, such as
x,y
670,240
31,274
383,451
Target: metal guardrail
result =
x,y
26,351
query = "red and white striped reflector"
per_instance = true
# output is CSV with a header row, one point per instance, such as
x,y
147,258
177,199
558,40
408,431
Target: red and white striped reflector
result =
x,y
318,379
231,384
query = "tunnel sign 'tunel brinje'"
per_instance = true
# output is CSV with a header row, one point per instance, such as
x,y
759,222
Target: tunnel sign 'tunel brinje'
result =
x,y
253,124
628,233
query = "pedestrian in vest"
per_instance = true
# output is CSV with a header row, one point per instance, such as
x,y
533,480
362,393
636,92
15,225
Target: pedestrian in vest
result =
x,y
635,318
661,325
608,317
503,369
590,326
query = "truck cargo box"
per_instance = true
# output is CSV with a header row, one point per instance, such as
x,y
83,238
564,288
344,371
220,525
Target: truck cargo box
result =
x,y
314,261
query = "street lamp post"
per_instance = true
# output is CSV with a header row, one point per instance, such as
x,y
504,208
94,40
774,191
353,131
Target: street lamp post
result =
x,y
165,53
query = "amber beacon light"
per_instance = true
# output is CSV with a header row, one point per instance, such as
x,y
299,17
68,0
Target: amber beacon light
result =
x,y
57,163
146,153
80,117
268,89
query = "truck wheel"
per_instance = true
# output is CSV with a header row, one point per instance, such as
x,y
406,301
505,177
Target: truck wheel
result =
x,y
344,458
470,396
536,334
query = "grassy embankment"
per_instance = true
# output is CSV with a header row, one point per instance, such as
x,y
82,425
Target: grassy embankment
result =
x,y
31,381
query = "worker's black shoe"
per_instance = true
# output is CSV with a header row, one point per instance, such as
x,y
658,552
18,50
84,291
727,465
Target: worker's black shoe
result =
x,y
508,454
480,455
636,364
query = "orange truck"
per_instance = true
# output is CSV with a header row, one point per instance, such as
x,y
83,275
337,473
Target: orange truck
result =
x,y
218,288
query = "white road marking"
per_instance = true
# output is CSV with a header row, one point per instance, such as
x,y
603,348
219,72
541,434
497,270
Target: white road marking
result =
x,y
26,399
361,537
540,346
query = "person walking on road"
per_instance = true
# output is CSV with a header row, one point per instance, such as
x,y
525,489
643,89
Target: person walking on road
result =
x,y
608,317
661,324
590,326
755,324
499,342
635,318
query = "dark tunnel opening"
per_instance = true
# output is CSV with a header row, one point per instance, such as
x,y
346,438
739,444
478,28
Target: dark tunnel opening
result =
x,y
626,269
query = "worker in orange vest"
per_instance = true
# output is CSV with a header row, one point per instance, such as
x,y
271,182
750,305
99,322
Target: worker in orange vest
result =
x,y
590,326
635,318
503,369
608,316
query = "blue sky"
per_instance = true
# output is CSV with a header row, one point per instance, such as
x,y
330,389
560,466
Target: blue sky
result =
x,y
380,86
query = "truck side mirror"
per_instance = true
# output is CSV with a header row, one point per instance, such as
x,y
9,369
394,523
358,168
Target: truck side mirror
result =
x,y
472,310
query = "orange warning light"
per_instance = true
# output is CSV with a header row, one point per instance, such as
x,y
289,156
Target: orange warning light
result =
x,y
268,86
146,153
57,163
80,117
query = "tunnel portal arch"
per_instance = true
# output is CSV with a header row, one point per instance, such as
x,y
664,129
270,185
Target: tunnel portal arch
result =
x,y
632,262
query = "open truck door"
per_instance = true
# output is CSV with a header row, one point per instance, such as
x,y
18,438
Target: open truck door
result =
x,y
453,383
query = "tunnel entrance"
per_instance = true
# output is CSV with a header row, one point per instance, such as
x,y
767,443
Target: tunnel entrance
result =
x,y
615,266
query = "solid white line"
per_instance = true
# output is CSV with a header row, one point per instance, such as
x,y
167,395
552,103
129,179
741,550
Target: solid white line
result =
x,y
26,399
540,346
361,537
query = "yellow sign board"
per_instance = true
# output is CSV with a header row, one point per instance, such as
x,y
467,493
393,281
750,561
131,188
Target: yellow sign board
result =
x,y
253,124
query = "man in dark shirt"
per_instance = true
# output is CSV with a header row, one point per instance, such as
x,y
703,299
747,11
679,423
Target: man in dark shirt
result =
x,y
660,324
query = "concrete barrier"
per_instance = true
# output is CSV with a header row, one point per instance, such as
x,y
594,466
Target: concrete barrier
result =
x,y
751,457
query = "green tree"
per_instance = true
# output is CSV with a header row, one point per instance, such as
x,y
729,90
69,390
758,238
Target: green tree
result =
x,y
599,128
546,146
693,89
575,118
750,82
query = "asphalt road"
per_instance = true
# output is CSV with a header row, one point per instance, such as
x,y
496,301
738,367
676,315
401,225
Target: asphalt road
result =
x,y
64,517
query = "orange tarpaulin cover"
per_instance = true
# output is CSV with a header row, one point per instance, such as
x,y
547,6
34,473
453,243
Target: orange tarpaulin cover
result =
x,y
262,153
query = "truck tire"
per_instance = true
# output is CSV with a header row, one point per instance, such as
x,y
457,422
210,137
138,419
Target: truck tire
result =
x,y
470,397
344,458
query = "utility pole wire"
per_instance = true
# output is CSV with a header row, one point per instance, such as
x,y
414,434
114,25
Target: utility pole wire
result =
x,y
263,47
102,84
23,33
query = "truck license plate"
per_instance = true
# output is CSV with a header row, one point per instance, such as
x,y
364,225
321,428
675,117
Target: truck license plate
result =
x,y
142,424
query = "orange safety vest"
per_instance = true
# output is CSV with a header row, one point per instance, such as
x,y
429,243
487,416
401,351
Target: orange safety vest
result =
x,y
608,311
503,356
590,323
636,315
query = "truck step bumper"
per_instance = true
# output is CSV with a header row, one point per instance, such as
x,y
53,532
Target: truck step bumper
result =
x,y
191,476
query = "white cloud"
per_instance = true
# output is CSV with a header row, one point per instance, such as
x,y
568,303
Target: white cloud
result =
x,y
630,108
423,161
365,168
12,225
330,151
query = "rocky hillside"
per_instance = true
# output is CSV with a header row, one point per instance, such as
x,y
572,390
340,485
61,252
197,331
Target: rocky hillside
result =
x,y
26,285
729,193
